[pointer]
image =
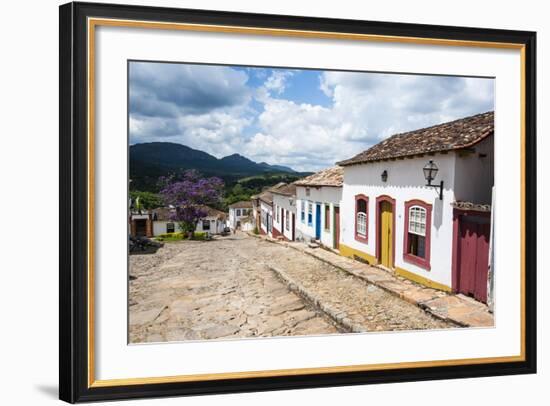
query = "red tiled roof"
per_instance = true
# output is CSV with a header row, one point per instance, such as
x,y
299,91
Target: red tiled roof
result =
x,y
333,176
458,134
266,197
246,204
163,213
284,189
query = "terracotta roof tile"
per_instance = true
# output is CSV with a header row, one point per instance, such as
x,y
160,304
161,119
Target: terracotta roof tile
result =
x,y
266,197
242,204
333,176
164,213
453,135
284,189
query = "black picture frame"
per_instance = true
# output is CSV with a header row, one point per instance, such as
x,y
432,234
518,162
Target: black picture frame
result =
x,y
74,199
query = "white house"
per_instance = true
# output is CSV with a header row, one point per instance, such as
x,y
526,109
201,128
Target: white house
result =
x,y
318,207
436,234
240,216
284,211
213,223
256,212
265,200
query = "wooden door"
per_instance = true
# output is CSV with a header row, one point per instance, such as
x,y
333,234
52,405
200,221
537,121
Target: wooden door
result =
x,y
336,231
141,228
386,238
293,226
473,256
318,221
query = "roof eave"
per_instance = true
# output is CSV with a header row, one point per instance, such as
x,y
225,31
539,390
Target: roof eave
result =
x,y
455,148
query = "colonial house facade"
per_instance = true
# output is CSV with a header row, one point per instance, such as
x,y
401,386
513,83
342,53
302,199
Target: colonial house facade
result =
x,y
419,204
265,200
318,207
213,223
141,224
256,212
284,211
240,216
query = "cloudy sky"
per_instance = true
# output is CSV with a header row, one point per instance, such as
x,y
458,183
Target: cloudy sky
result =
x,y
305,119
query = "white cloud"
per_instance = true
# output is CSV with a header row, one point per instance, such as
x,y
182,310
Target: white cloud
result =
x,y
215,109
278,80
365,108
203,107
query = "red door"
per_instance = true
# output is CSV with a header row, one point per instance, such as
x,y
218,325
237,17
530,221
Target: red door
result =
x,y
472,256
337,227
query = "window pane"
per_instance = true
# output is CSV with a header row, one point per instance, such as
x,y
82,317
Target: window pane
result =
x,y
417,245
361,224
417,220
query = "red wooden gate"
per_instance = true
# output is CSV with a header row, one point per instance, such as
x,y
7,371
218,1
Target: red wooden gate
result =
x,y
471,253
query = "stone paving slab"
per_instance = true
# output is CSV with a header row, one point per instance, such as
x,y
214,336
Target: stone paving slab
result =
x,y
197,290
354,303
457,309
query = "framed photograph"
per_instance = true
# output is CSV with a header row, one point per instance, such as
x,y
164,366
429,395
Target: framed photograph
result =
x,y
258,202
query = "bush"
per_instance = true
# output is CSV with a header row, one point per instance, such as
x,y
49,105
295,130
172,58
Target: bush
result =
x,y
256,231
171,237
200,236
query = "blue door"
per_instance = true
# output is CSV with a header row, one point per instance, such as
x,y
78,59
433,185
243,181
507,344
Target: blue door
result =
x,y
318,221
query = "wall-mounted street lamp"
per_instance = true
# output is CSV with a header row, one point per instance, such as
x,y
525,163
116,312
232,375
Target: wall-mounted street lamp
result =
x,y
384,176
430,172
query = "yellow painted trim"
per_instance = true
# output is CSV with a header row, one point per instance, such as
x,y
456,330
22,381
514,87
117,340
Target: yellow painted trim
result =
x,y
351,252
421,280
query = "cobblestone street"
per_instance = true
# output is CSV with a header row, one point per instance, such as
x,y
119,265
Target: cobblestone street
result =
x,y
241,286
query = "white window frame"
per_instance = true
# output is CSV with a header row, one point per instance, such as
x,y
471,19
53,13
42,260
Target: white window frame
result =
x,y
361,223
417,220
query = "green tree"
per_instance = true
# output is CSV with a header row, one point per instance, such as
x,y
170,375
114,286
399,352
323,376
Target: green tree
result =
x,y
147,200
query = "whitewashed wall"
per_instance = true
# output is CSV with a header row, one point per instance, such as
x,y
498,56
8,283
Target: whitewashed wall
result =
x,y
265,209
159,227
325,196
280,201
233,218
474,177
216,226
405,182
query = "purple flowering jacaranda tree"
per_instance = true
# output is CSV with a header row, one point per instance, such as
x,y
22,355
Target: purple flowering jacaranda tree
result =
x,y
189,194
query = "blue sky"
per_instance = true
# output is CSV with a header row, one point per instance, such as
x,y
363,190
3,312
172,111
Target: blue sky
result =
x,y
305,119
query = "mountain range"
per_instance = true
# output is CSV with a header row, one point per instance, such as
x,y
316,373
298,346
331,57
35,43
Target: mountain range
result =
x,y
149,161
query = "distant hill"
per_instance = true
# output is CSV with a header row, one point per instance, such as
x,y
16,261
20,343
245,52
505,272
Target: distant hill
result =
x,y
149,161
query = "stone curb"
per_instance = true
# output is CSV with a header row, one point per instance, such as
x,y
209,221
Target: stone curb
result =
x,y
339,317
424,305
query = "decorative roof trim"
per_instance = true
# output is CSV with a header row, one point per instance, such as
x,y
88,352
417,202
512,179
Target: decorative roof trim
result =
x,y
461,205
